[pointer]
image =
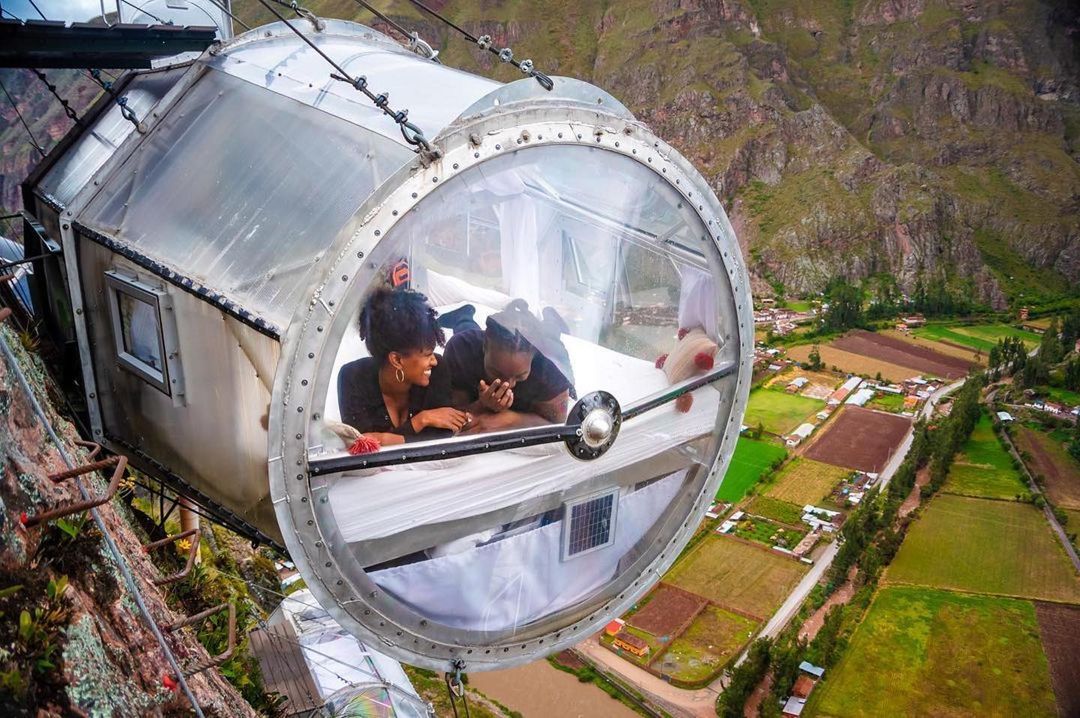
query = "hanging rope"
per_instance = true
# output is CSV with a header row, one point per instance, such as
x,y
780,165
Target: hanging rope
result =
x,y
121,101
68,110
412,134
420,47
484,42
33,140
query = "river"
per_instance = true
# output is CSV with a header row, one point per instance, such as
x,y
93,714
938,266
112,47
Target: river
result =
x,y
539,690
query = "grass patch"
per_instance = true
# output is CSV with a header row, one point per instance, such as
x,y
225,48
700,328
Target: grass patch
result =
x,y
706,646
986,547
780,413
1060,395
737,576
780,511
926,652
751,460
984,468
893,403
804,481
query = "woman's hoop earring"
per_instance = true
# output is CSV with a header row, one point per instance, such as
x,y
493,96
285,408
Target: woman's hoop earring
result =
x,y
399,375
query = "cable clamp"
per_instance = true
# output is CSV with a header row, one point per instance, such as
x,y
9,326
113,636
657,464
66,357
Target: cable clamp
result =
x,y
422,48
526,67
484,42
506,54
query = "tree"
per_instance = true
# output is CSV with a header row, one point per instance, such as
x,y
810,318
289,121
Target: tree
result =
x,y
845,305
815,359
1050,349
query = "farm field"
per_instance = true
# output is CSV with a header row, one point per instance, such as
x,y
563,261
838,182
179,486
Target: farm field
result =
x,y
777,510
666,611
984,468
1060,395
737,576
903,353
822,383
980,337
1059,627
859,439
944,346
751,460
1050,460
985,546
853,363
936,653
778,412
804,481
769,533
708,644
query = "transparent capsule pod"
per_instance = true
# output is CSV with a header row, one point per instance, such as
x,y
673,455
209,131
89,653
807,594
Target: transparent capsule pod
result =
x,y
591,327
482,395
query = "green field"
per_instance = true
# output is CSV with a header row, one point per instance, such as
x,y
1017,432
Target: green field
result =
x,y
768,533
804,481
779,413
706,646
982,337
737,576
1060,395
751,460
775,509
937,653
984,468
985,546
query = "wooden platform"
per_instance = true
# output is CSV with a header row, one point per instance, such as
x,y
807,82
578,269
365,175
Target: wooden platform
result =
x,y
284,669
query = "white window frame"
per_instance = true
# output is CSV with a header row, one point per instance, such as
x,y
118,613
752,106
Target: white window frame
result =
x,y
167,378
568,507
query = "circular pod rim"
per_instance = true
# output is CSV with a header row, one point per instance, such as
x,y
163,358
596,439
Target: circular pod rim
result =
x,y
311,342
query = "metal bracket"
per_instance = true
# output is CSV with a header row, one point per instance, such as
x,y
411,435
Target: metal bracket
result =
x,y
192,553
212,661
120,464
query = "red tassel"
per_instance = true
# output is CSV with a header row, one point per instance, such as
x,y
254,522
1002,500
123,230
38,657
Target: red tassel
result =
x,y
703,361
23,518
364,445
684,402
169,682
661,360
683,331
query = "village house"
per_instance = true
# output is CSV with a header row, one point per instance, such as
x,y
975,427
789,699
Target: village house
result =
x,y
613,628
799,435
631,643
796,385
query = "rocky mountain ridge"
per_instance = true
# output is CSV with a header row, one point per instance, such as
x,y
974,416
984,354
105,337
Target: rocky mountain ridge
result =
x,y
930,141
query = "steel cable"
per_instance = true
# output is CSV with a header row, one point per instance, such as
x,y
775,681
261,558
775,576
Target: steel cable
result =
x,y
33,140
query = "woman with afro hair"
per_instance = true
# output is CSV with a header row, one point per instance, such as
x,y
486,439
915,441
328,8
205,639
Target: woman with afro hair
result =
x,y
402,391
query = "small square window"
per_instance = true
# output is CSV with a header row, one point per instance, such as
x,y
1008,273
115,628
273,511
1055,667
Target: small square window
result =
x,y
137,329
589,524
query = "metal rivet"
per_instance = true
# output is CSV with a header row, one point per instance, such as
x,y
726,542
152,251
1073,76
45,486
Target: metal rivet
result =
x,y
311,355
455,165
300,410
344,277
414,195
378,232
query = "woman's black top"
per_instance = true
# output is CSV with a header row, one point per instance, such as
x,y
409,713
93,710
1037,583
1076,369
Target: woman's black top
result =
x,y
361,404
464,356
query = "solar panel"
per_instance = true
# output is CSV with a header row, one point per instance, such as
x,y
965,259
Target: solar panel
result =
x,y
590,524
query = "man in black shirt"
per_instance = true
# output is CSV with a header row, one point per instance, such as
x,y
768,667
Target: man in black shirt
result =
x,y
500,374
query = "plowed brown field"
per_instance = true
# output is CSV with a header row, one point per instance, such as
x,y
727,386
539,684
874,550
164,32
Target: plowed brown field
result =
x,y
898,351
668,612
860,439
1049,458
1059,627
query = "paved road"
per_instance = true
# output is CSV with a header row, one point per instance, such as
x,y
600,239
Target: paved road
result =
x,y
701,703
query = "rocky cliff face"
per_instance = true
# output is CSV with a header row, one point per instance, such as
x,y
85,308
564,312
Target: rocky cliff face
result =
x,y
925,139
72,641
